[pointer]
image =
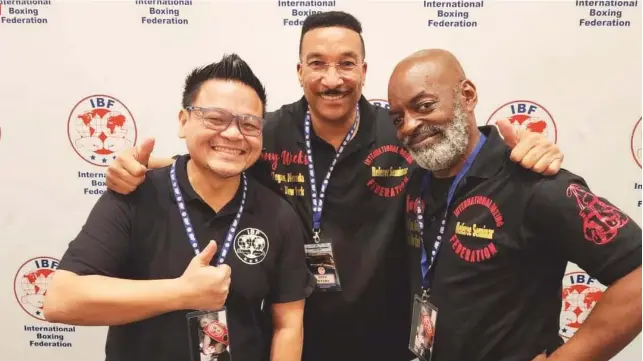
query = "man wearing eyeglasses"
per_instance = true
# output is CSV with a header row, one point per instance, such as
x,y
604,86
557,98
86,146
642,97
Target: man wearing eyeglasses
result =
x,y
198,235
337,159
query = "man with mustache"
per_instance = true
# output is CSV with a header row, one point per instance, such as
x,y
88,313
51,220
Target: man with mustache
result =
x,y
333,146
495,238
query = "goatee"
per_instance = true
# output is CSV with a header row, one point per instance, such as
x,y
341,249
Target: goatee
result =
x,y
446,152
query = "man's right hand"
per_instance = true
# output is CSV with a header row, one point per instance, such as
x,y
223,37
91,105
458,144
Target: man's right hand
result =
x,y
205,287
128,170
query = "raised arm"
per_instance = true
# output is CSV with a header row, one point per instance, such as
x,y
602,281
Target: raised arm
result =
x,y
128,170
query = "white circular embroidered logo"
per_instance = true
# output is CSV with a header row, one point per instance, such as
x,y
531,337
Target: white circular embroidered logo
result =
x,y
251,246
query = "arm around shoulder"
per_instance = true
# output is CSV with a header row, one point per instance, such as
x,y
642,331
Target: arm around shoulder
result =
x,y
155,162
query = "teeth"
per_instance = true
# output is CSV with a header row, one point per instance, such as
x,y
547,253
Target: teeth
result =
x,y
227,150
332,97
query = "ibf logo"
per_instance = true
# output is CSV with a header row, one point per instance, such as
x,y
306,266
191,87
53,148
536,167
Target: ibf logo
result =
x,y
580,294
380,103
99,127
635,143
525,114
31,282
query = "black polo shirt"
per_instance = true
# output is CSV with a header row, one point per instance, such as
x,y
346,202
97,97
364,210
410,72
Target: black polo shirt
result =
x,y
363,215
509,235
141,236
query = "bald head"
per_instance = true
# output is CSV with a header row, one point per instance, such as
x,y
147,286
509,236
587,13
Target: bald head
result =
x,y
437,67
431,103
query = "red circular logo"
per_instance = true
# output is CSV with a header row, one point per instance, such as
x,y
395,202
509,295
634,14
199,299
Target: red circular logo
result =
x,y
99,127
529,115
31,282
580,294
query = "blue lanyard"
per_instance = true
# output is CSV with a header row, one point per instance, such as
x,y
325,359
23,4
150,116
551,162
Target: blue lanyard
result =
x,y
189,230
318,201
425,264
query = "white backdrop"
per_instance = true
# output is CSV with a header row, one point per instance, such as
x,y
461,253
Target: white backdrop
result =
x,y
59,59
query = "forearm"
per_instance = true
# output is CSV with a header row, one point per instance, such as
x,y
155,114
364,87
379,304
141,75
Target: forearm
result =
x,y
154,162
287,344
105,301
614,322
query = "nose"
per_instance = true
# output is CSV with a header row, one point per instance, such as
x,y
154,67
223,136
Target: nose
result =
x,y
232,132
409,125
331,78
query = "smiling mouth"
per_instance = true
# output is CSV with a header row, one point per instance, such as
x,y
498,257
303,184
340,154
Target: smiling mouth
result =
x,y
423,137
226,150
333,95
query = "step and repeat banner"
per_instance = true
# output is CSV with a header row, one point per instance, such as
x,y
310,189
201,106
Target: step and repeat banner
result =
x,y
570,69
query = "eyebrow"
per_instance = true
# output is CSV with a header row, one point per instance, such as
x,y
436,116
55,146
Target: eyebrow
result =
x,y
415,99
344,54
420,95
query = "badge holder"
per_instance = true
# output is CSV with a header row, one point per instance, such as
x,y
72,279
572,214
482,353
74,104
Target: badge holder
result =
x,y
209,336
321,263
425,315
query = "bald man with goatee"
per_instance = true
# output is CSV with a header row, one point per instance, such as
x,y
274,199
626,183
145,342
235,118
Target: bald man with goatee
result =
x,y
491,241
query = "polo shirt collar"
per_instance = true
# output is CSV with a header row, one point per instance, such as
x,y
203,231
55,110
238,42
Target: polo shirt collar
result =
x,y
492,155
366,133
190,195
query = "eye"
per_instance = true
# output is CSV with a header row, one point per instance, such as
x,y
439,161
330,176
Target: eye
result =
x,y
426,106
397,120
250,126
215,120
348,64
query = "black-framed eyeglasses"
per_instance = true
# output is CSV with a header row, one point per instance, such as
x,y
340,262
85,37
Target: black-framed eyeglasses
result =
x,y
220,119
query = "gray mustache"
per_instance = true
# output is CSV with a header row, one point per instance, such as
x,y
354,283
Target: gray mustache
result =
x,y
427,128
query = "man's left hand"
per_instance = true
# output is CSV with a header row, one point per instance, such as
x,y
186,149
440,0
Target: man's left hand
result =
x,y
532,150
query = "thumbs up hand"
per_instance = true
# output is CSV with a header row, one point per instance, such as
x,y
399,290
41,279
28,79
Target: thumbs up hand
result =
x,y
531,150
143,151
206,286
128,170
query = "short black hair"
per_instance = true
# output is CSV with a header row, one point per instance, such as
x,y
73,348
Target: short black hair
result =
x,y
332,19
230,67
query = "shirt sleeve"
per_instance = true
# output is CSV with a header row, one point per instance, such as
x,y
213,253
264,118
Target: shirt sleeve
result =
x,y
102,245
585,228
293,281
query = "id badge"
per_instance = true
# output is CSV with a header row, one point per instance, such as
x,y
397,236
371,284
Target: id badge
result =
x,y
425,315
209,336
321,263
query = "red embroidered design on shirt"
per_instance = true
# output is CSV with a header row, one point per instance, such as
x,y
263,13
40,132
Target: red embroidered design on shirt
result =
x,y
601,221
